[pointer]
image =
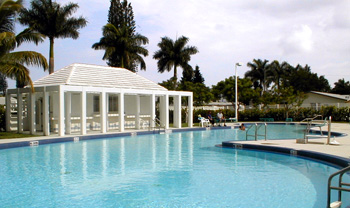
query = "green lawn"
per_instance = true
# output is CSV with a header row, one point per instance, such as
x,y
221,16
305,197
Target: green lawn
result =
x,y
10,135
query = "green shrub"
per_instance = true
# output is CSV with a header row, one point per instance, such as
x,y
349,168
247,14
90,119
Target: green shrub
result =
x,y
297,114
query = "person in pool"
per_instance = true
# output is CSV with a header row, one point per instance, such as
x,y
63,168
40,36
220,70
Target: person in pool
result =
x,y
242,127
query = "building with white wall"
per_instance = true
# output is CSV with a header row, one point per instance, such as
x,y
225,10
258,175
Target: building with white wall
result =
x,y
82,98
316,100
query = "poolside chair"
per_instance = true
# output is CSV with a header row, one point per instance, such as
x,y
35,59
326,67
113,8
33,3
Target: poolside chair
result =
x,y
203,121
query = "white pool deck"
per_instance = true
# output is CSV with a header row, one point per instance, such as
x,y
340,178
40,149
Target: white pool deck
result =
x,y
317,145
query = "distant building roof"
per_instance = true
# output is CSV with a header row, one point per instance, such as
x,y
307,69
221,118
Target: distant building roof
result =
x,y
332,95
98,76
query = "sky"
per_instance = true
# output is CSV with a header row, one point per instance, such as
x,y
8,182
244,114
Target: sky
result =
x,y
313,32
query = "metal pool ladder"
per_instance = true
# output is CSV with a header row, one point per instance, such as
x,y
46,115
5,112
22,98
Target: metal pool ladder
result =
x,y
158,124
256,128
340,187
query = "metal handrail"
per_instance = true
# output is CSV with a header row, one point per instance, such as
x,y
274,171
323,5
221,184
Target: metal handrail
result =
x,y
265,125
255,135
340,187
311,119
324,123
250,127
157,123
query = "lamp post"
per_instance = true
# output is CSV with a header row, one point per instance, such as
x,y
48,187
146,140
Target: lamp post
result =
x,y
236,91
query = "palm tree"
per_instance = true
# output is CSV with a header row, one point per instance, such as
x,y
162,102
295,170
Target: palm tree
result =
x,y
8,11
173,54
12,64
259,73
279,72
52,20
122,49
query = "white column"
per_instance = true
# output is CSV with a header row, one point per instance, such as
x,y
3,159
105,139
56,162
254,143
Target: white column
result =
x,y
46,124
177,111
31,113
107,111
165,120
103,112
19,112
121,111
83,112
61,110
8,112
153,110
137,112
161,109
68,103
190,111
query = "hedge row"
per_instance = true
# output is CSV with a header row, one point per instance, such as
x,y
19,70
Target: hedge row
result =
x,y
338,114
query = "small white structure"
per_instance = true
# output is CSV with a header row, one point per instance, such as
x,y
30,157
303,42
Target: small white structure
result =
x,y
83,97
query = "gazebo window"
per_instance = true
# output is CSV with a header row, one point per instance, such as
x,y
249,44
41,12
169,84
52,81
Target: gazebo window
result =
x,y
113,103
96,103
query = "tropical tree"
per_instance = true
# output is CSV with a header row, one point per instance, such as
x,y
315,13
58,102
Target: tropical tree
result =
x,y
303,80
52,20
121,48
226,89
3,84
187,75
198,78
13,64
278,72
174,54
259,74
121,14
201,93
341,87
289,97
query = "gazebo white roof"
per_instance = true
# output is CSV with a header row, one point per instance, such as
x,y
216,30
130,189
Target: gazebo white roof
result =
x,y
98,76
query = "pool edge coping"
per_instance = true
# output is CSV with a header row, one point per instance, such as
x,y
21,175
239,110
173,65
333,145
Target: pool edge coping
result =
x,y
328,158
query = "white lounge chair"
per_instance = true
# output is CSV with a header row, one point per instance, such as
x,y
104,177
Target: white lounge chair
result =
x,y
203,121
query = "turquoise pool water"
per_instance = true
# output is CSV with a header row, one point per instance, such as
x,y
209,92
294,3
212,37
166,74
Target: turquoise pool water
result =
x,y
167,170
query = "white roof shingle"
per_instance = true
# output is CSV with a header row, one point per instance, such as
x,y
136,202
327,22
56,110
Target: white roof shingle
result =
x,y
98,76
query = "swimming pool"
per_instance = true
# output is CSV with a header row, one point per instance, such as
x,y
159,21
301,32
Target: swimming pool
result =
x,y
160,170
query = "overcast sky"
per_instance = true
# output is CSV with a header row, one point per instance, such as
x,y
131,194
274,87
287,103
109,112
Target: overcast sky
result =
x,y
313,32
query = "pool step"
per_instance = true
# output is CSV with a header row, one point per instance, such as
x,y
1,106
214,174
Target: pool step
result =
x,y
316,136
335,204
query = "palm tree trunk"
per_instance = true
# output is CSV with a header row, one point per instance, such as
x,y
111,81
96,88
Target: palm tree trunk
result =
x,y
175,72
51,62
122,62
175,76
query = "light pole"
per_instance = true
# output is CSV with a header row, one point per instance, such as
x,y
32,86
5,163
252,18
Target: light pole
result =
x,y
236,91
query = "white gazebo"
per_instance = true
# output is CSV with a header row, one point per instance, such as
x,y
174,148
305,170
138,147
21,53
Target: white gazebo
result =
x,y
83,97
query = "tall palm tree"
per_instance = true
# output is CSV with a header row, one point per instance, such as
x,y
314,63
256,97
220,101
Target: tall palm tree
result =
x,y
279,71
259,73
174,54
13,64
52,20
122,49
